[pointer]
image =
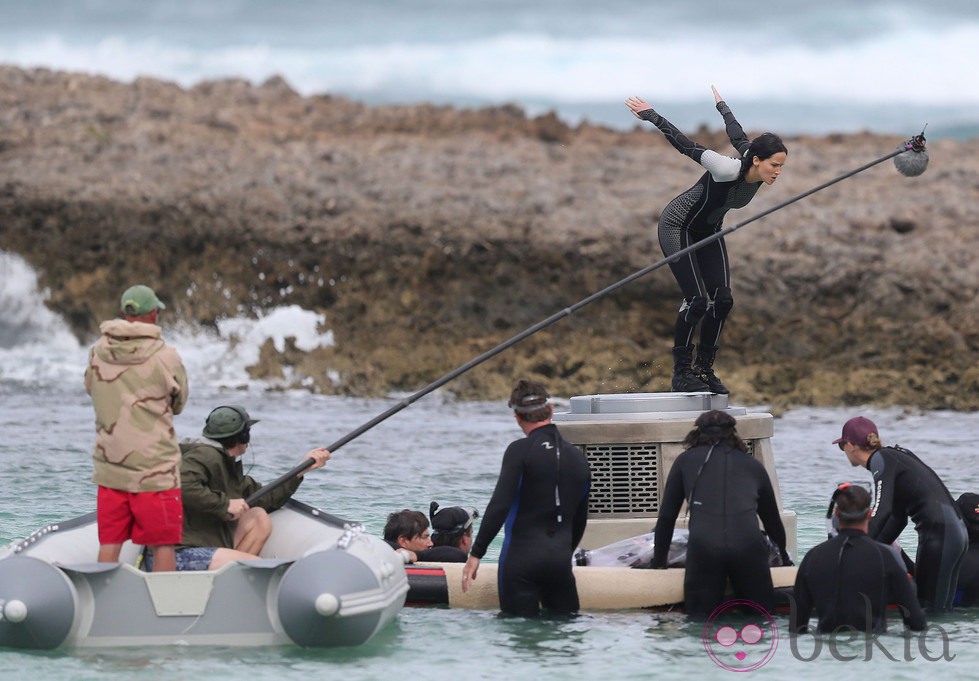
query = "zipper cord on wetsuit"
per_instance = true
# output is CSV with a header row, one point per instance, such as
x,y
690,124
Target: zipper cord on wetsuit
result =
x,y
557,481
700,470
839,575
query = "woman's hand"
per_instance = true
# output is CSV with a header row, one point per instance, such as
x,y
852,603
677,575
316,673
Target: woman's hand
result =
x,y
717,95
637,104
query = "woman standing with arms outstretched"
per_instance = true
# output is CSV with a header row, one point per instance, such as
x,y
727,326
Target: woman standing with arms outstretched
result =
x,y
704,274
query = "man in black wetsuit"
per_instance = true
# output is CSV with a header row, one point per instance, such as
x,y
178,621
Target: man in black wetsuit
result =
x,y
704,274
904,487
726,491
967,593
851,579
541,497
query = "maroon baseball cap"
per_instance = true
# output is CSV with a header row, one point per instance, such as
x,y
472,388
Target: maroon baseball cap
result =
x,y
857,431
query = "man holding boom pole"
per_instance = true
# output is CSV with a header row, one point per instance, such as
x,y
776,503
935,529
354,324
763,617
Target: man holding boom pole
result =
x,y
219,525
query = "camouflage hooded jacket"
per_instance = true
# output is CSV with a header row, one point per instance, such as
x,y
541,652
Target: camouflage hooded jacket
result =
x,y
137,383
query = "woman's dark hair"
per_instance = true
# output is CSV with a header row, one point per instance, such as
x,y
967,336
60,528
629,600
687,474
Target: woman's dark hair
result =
x,y
715,427
764,146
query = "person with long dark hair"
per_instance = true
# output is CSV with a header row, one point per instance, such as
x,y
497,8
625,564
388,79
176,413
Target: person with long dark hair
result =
x,y
704,274
726,491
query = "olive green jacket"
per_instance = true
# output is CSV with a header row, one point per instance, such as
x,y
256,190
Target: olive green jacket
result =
x,y
209,479
137,383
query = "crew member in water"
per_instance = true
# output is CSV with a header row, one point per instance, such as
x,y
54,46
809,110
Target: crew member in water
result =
x,y
726,491
850,579
967,593
452,533
541,498
905,487
704,274
406,531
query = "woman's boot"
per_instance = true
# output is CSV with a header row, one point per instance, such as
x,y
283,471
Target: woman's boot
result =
x,y
685,379
703,368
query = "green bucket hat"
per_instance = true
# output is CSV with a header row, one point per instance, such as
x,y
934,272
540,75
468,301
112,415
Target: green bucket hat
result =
x,y
227,421
139,300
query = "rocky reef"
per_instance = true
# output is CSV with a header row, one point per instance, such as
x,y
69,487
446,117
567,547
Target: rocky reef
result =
x,y
427,235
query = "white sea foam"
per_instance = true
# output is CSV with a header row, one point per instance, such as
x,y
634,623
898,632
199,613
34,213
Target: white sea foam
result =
x,y
38,348
220,358
35,343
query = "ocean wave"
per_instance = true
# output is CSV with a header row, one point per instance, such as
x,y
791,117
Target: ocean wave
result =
x,y
37,348
907,65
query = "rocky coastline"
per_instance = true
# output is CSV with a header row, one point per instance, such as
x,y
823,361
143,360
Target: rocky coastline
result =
x,y
427,235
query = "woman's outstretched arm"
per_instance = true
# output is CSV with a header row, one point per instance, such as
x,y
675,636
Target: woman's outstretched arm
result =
x,y
642,110
734,131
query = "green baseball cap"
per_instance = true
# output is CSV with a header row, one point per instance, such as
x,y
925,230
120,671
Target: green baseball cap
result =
x,y
139,300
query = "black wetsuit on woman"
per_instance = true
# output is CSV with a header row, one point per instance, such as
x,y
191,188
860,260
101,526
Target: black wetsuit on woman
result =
x,y
704,274
850,580
905,487
727,491
541,498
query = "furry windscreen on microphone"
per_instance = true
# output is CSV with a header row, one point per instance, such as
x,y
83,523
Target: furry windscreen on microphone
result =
x,y
915,158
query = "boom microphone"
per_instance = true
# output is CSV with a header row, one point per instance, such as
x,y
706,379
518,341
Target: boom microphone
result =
x,y
914,159
910,159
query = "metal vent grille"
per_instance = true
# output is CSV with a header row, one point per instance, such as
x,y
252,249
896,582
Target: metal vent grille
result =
x,y
624,479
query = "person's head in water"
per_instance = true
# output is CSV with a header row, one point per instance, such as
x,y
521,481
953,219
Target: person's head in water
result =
x,y
715,427
408,529
764,158
529,401
452,526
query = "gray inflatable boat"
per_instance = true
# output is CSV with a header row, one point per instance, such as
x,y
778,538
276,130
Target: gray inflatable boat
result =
x,y
321,582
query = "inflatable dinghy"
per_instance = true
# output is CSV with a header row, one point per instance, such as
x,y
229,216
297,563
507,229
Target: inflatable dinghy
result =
x,y
320,582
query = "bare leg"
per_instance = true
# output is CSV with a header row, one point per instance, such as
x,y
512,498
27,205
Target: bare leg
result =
x,y
254,529
164,558
224,556
109,553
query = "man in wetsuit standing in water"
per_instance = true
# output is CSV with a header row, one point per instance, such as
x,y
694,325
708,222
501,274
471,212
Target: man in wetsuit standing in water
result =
x,y
850,579
904,487
541,497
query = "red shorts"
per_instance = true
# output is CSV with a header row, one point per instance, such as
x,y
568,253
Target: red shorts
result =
x,y
148,518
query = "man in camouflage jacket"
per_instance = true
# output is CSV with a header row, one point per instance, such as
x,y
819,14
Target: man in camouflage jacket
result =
x,y
137,384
